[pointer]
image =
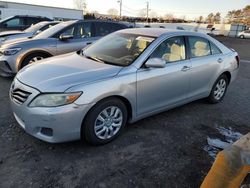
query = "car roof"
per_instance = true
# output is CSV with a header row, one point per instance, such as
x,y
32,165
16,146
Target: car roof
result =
x,y
106,21
30,16
157,32
48,22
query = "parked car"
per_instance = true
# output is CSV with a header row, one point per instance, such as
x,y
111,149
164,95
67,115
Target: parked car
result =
x,y
123,77
20,22
30,32
62,38
244,34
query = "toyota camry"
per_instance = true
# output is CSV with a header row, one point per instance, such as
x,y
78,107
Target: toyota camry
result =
x,y
122,78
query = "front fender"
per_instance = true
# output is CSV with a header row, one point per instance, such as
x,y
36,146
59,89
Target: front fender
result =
x,y
24,54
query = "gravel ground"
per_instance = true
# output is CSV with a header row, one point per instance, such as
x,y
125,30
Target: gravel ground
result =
x,y
165,150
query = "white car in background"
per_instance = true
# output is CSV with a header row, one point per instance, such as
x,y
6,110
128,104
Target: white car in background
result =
x,y
244,34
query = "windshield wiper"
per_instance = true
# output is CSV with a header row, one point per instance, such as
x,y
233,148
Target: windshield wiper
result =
x,y
94,58
99,60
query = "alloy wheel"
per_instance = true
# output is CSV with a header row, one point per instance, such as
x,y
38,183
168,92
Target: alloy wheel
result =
x,y
108,122
220,89
35,59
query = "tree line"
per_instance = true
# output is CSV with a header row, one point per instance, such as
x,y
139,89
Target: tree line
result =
x,y
241,16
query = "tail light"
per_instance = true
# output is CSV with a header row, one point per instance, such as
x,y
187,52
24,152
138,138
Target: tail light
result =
x,y
238,60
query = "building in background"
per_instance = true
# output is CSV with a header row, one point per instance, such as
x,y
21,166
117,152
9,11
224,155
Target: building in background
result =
x,y
8,9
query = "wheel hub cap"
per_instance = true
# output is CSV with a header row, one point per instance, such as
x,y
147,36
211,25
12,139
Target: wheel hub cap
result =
x,y
108,122
220,89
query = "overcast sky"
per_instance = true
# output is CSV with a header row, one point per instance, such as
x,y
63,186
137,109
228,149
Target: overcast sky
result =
x,y
188,8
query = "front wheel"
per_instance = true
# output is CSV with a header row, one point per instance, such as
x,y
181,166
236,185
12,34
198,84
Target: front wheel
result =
x,y
105,121
33,58
219,90
242,36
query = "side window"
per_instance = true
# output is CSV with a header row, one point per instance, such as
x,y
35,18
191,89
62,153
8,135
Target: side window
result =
x,y
31,21
68,31
199,47
214,49
103,29
83,30
115,27
14,22
171,50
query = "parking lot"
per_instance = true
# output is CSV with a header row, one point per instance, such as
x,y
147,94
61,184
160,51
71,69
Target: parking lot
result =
x,y
166,150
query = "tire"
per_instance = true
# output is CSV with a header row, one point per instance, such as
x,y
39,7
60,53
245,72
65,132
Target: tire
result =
x,y
242,36
96,122
219,90
27,60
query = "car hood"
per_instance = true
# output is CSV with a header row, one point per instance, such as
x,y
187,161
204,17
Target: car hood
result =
x,y
59,73
7,33
16,42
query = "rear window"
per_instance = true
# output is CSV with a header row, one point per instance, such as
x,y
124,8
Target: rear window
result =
x,y
214,49
105,28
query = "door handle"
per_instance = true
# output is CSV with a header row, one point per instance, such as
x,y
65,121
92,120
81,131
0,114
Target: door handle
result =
x,y
185,68
220,60
88,43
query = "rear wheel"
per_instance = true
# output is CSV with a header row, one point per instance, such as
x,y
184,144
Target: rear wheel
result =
x,y
242,36
219,89
105,121
33,58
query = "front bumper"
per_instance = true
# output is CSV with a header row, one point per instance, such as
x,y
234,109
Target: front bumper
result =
x,y
8,65
5,69
54,125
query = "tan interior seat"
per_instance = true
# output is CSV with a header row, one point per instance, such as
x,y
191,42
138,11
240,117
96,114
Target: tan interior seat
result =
x,y
176,54
200,49
142,44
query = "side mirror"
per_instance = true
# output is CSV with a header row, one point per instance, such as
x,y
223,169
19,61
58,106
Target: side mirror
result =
x,y
66,37
37,32
155,63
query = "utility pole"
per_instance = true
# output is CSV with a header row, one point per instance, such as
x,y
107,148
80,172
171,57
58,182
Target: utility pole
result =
x,y
147,10
120,1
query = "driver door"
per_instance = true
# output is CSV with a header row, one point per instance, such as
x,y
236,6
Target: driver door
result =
x,y
81,37
159,88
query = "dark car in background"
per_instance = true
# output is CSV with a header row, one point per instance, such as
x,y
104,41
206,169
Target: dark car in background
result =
x,y
62,38
20,22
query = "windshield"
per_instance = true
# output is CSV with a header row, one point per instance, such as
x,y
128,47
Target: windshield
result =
x,y
53,30
34,28
118,49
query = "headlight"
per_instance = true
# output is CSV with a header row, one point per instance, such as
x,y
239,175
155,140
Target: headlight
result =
x,y
54,100
11,51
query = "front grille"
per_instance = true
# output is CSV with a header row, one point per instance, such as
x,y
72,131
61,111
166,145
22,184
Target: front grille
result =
x,y
19,95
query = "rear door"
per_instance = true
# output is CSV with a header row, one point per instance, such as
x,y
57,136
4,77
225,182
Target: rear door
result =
x,y
207,62
82,36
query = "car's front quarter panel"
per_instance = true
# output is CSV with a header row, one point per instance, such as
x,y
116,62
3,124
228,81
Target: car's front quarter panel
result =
x,y
14,61
65,121
123,85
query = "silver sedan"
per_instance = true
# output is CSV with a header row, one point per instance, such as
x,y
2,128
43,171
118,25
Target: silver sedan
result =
x,y
124,77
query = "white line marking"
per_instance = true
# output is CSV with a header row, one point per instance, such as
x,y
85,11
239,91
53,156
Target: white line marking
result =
x,y
245,61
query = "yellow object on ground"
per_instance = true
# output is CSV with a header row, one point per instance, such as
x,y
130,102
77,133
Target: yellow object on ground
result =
x,y
231,166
